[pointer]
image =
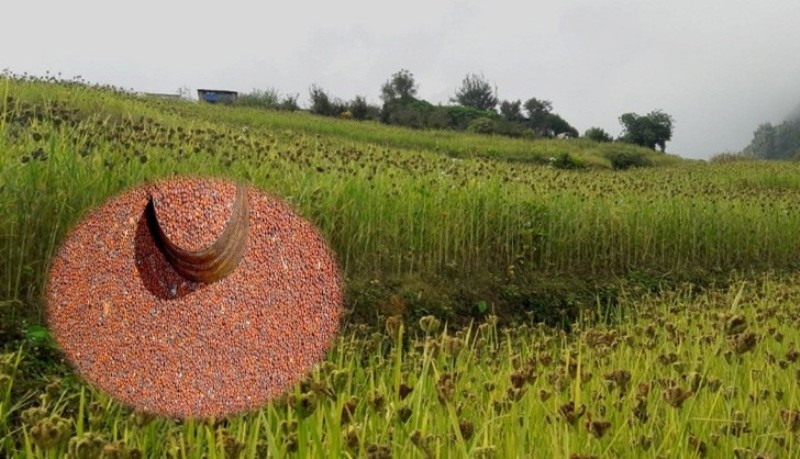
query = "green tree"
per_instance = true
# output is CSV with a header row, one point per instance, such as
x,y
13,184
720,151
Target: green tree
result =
x,y
476,92
512,111
651,130
543,122
538,113
598,135
763,143
554,125
537,108
289,103
400,86
399,104
359,108
320,102
776,142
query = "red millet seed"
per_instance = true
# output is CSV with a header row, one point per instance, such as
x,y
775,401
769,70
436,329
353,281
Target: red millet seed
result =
x,y
193,213
135,328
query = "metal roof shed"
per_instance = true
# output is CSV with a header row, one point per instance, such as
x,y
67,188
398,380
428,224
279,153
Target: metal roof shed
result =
x,y
217,96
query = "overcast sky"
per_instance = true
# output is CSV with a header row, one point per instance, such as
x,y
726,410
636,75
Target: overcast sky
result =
x,y
719,67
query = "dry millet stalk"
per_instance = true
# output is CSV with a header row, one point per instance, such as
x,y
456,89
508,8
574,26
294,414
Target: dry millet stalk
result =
x,y
129,323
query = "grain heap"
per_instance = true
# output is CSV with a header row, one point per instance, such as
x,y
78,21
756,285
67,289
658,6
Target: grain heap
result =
x,y
194,297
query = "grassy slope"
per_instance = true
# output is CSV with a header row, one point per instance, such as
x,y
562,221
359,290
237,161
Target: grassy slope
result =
x,y
452,143
680,375
416,230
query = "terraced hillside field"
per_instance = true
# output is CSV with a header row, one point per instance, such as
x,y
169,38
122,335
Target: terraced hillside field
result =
x,y
516,298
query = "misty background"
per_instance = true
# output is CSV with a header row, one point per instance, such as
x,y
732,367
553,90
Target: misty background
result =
x,y
720,68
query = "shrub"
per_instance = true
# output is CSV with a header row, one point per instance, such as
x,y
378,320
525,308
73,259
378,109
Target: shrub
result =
x,y
439,119
362,110
338,107
407,112
565,161
320,102
481,125
621,160
259,98
359,108
289,103
462,117
407,116
508,128
598,135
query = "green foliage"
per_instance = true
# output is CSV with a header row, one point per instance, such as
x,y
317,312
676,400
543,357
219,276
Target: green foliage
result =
x,y
400,86
598,135
554,125
543,122
289,103
268,99
461,117
37,334
320,102
509,128
651,130
776,142
537,108
512,111
440,118
763,143
260,98
565,161
420,114
622,160
475,113
408,112
476,97
362,110
481,125
477,93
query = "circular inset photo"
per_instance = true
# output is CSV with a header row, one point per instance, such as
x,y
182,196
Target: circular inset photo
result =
x,y
194,297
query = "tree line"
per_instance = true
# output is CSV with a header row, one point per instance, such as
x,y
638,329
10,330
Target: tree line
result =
x,y
780,141
475,108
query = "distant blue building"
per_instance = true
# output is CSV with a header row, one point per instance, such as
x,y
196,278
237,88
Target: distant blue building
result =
x,y
217,96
